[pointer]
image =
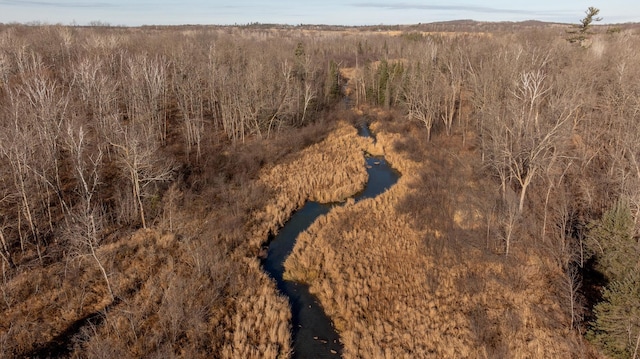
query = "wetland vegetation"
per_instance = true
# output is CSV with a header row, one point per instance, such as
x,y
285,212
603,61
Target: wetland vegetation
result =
x,y
143,170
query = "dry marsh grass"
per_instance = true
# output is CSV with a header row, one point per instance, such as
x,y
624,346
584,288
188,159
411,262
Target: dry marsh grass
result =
x,y
329,171
398,286
175,301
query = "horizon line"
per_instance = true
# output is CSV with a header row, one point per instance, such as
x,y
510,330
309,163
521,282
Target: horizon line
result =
x,y
100,23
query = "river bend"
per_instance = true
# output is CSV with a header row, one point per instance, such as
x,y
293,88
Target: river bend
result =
x,y
314,335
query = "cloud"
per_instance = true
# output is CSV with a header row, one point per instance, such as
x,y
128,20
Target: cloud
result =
x,y
470,8
56,4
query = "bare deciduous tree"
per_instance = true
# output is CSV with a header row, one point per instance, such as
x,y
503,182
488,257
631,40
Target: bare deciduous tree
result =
x,y
136,152
86,217
6,253
190,94
572,284
17,157
420,95
306,88
450,86
508,220
526,144
98,89
146,86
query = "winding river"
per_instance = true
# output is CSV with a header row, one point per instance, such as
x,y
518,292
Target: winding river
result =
x,y
313,333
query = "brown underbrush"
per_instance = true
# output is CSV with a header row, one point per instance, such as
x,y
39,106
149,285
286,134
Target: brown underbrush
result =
x,y
412,273
176,297
192,285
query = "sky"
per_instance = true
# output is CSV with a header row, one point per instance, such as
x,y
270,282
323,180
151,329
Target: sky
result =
x,y
330,12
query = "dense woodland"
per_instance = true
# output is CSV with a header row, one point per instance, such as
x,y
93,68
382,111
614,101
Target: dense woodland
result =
x,y
142,169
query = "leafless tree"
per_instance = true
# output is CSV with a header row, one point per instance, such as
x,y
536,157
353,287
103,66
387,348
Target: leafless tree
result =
x,y
46,103
525,144
450,86
86,217
4,68
189,92
494,142
147,86
572,284
509,219
283,109
98,88
17,157
136,152
307,89
420,95
621,112
257,99
38,108
489,87
5,253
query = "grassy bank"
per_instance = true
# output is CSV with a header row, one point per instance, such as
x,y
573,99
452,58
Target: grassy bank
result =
x,y
412,273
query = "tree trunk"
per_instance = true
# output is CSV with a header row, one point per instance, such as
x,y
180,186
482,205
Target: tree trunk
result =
x,y
635,351
104,272
138,196
27,214
546,205
523,190
5,253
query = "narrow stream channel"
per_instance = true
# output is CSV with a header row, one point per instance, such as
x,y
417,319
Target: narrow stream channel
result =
x,y
313,333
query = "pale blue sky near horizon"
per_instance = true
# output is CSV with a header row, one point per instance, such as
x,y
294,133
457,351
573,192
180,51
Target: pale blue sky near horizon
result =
x,y
331,12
